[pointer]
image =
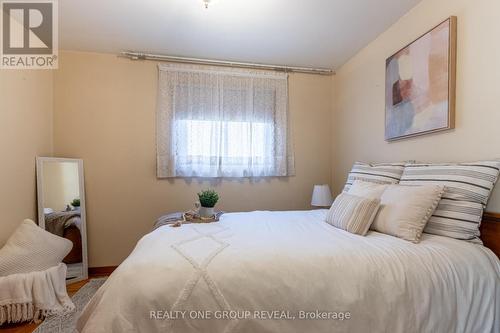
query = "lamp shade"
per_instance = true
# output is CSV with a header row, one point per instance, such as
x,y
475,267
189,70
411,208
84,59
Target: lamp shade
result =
x,y
322,197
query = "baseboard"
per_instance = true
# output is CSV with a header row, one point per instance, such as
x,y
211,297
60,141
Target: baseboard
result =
x,y
98,271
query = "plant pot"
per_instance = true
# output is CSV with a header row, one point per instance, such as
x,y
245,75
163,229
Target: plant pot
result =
x,y
206,211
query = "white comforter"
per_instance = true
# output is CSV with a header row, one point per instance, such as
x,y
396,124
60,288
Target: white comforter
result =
x,y
271,269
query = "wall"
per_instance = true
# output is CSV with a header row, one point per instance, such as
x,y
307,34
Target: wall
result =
x,y
105,113
359,93
60,184
25,132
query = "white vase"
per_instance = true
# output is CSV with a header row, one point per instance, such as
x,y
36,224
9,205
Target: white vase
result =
x,y
206,211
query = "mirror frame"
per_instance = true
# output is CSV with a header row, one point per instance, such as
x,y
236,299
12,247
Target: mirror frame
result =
x,y
83,212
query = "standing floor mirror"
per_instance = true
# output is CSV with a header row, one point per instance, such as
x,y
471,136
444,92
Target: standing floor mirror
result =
x,y
61,209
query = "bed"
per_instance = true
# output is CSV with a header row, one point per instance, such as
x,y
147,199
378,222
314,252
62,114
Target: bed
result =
x,y
67,224
292,272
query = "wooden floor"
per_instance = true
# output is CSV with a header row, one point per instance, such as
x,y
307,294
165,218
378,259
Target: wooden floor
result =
x,y
28,328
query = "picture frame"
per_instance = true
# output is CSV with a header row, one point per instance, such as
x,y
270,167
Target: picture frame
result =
x,y
420,84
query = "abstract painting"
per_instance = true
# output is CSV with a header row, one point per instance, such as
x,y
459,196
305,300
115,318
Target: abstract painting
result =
x,y
420,84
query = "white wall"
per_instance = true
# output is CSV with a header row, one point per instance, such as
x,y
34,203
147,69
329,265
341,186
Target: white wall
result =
x,y
60,184
25,132
359,93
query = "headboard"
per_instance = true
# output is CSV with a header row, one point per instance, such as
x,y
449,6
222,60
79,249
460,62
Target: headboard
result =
x,y
490,232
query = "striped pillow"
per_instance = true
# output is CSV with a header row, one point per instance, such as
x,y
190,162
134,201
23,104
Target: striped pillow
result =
x,y
467,189
456,219
352,213
382,173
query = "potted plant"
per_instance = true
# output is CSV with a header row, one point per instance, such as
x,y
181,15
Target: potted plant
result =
x,y
76,204
208,199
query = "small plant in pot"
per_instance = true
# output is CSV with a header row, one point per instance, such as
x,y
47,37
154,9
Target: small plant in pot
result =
x,y
208,199
76,203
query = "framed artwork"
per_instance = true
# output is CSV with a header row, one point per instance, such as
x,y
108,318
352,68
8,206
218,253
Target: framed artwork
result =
x,y
420,84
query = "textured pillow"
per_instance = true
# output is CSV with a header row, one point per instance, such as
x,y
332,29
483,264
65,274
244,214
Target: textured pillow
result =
x,y
383,173
467,189
405,210
352,213
30,248
367,189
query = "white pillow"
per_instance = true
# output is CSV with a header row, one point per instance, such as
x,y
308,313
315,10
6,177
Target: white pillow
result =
x,y
367,189
405,210
353,213
30,248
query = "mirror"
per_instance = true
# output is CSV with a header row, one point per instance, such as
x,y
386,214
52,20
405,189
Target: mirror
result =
x,y
61,209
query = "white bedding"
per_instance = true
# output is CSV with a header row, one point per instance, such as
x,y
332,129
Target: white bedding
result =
x,y
293,261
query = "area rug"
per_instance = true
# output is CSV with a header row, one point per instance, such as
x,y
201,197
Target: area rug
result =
x,y
67,322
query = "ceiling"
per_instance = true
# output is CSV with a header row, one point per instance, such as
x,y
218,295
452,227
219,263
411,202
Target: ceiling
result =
x,y
316,33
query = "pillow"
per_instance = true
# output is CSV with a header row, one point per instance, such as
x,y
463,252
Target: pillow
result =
x,y
456,219
467,189
383,173
405,210
367,189
30,248
352,213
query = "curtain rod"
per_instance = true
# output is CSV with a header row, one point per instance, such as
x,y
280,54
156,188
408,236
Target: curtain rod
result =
x,y
159,57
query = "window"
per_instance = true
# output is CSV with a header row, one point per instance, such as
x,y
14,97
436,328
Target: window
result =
x,y
222,123
247,139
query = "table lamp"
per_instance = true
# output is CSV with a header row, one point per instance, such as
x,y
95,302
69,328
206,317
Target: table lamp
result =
x,y
322,197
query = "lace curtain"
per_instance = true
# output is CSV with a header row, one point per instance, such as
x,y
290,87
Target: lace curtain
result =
x,y
214,122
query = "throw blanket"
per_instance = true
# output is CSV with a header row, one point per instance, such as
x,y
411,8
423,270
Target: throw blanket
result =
x,y
33,296
292,272
173,218
57,221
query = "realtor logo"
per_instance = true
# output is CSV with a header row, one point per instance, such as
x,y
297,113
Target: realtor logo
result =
x,y
29,38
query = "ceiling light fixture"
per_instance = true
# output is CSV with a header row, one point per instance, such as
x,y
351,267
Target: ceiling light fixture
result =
x,y
206,2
